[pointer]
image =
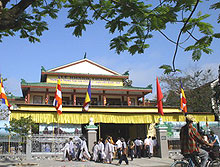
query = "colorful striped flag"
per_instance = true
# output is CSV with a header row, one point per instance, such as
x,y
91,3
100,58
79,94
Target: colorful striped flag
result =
x,y
129,101
182,100
159,99
3,95
104,100
57,102
88,98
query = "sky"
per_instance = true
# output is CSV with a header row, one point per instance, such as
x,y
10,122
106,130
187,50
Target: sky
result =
x,y
21,59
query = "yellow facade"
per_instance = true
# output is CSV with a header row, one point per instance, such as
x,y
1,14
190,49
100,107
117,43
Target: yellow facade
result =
x,y
85,81
73,115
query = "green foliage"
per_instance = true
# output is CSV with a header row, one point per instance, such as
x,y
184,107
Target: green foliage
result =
x,y
133,22
22,126
17,18
216,6
168,69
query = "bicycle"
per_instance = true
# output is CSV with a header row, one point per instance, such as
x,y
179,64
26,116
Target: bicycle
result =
x,y
187,162
183,162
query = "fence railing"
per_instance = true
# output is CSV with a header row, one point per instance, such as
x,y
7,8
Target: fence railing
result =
x,y
45,145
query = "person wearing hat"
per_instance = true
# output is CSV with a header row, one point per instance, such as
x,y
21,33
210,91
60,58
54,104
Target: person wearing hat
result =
x,y
189,140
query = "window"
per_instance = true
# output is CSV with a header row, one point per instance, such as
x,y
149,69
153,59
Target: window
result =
x,y
80,101
65,100
51,100
113,101
38,99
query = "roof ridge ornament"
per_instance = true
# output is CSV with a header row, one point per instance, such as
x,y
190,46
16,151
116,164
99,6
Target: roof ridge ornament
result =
x,y
43,69
85,56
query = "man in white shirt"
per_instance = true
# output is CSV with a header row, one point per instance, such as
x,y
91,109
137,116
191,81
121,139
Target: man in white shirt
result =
x,y
146,147
72,151
138,143
151,144
119,147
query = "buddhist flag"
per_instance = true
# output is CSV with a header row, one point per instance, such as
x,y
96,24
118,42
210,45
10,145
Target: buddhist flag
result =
x,y
129,101
3,95
159,99
104,100
88,98
57,102
182,100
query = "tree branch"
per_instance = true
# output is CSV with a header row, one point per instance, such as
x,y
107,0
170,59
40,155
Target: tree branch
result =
x,y
188,36
191,35
4,3
90,4
180,33
21,6
8,19
169,38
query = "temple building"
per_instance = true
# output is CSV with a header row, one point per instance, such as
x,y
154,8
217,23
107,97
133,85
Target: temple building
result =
x,y
118,108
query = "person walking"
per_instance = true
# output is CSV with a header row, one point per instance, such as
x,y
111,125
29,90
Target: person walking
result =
x,y
147,147
154,146
66,150
138,145
71,149
84,154
78,147
123,153
151,144
131,147
101,152
95,151
119,147
108,151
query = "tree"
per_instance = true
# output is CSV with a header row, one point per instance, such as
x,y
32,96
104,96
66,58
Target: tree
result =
x,y
132,21
4,112
22,126
196,87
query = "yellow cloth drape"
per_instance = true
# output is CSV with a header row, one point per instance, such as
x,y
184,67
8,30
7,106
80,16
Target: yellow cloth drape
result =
x,y
119,118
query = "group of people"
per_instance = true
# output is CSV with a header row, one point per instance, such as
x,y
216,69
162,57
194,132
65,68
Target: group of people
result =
x,y
107,150
76,150
192,143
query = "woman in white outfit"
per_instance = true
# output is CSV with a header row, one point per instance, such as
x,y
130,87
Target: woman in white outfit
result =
x,y
84,154
101,150
95,152
109,149
151,146
66,150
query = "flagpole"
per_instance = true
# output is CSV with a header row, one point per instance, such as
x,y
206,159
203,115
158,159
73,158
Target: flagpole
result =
x,y
57,135
99,130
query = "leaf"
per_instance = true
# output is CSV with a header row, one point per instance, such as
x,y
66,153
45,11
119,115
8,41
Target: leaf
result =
x,y
216,35
167,69
133,49
215,6
207,50
196,55
191,47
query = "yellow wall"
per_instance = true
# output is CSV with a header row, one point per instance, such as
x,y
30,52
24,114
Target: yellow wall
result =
x,y
85,81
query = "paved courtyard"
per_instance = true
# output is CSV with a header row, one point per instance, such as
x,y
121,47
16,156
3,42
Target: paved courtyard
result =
x,y
142,162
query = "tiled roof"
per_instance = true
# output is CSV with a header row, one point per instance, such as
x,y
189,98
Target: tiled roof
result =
x,y
45,84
